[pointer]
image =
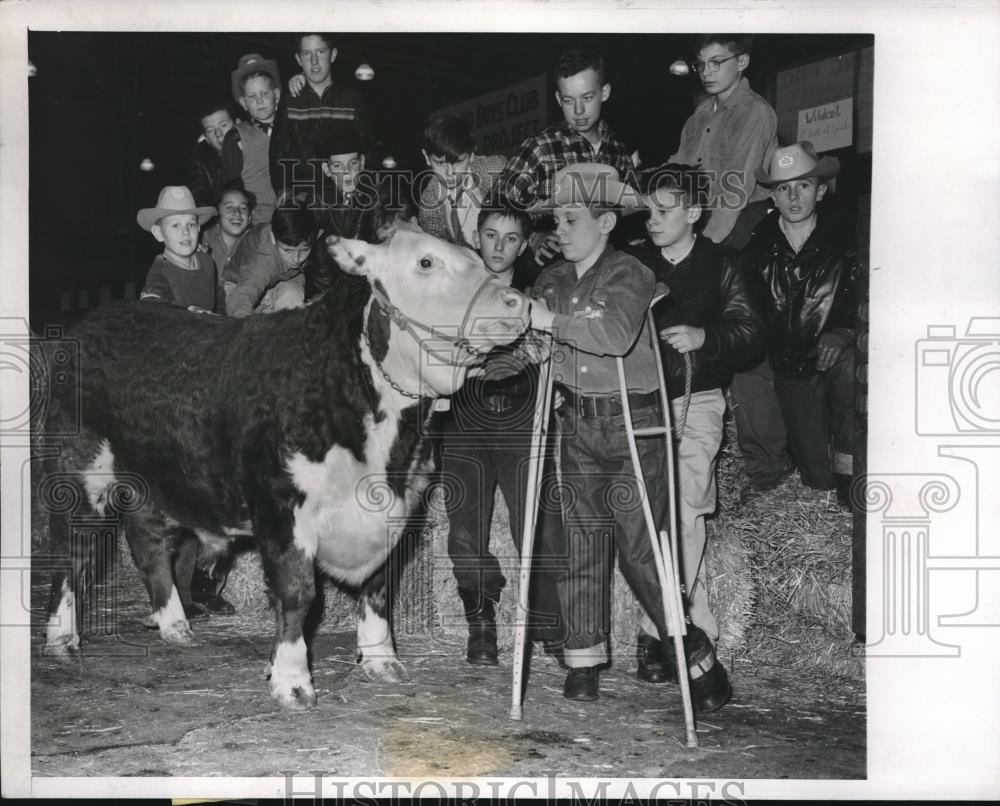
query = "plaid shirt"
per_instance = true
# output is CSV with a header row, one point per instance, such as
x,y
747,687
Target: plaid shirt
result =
x,y
530,172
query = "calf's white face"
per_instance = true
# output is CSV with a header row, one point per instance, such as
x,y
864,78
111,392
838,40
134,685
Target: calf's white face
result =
x,y
443,287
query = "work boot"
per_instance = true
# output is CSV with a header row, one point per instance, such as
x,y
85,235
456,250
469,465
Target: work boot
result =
x,y
482,647
710,687
657,662
582,684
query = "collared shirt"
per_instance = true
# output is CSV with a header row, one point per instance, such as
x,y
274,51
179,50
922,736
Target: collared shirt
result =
x,y
599,317
737,138
469,205
530,173
259,267
434,212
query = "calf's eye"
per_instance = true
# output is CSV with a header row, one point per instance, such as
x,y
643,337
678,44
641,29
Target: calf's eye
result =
x,y
426,262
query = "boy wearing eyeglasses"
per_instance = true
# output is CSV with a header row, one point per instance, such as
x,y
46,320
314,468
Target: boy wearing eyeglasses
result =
x,y
730,135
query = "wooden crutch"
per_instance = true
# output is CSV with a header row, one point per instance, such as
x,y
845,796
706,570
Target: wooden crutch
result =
x,y
666,561
536,459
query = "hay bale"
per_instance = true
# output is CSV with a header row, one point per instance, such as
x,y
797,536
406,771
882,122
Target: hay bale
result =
x,y
798,544
732,594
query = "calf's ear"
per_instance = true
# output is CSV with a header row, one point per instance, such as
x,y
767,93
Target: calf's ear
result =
x,y
353,257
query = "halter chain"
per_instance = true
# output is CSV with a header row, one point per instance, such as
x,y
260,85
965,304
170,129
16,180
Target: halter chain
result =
x,y
410,325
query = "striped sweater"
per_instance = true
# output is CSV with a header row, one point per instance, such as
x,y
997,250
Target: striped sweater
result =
x,y
304,120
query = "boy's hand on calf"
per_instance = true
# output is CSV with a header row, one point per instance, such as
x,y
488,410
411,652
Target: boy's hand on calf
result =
x,y
541,316
828,350
545,245
683,338
295,84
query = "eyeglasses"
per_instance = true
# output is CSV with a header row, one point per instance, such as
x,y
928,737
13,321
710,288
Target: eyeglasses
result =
x,y
320,53
712,65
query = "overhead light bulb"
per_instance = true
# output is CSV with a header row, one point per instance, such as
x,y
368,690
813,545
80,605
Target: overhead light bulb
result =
x,y
32,70
365,72
389,162
146,164
680,68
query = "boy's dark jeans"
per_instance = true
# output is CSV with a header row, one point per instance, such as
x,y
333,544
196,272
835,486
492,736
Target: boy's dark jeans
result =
x,y
601,507
819,418
760,427
474,461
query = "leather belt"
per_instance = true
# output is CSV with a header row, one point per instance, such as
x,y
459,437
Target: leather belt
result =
x,y
606,405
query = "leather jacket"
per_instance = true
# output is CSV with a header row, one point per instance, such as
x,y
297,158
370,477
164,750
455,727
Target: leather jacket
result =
x,y
811,293
713,290
204,174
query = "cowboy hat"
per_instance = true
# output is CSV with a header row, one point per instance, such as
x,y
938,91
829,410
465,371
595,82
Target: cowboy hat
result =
x,y
797,161
253,63
174,199
590,183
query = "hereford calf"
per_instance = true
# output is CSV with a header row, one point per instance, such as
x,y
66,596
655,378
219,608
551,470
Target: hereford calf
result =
x,y
302,427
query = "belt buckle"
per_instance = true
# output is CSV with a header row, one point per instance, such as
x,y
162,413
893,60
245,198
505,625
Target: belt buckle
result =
x,y
497,403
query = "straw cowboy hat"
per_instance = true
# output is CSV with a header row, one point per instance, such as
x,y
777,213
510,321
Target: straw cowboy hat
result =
x,y
797,161
589,183
173,199
253,63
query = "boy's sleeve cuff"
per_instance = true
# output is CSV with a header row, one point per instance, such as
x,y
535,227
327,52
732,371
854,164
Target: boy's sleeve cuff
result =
x,y
560,322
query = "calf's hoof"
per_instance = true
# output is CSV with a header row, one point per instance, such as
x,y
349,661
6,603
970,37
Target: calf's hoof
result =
x,y
384,670
293,696
178,633
64,648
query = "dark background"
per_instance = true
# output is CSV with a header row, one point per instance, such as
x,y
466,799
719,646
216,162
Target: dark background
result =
x,y
101,102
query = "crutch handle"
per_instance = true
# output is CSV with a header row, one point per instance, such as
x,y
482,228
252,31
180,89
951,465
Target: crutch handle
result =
x,y
651,431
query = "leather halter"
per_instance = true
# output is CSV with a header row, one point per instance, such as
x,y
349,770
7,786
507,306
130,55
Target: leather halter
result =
x,y
410,325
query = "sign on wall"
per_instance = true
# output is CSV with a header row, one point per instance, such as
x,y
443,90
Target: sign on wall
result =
x,y
808,95
828,126
501,120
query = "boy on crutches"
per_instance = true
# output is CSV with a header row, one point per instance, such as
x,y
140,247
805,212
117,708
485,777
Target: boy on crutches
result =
x,y
594,303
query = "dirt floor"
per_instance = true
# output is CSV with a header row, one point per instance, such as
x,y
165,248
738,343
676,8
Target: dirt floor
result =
x,y
133,706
